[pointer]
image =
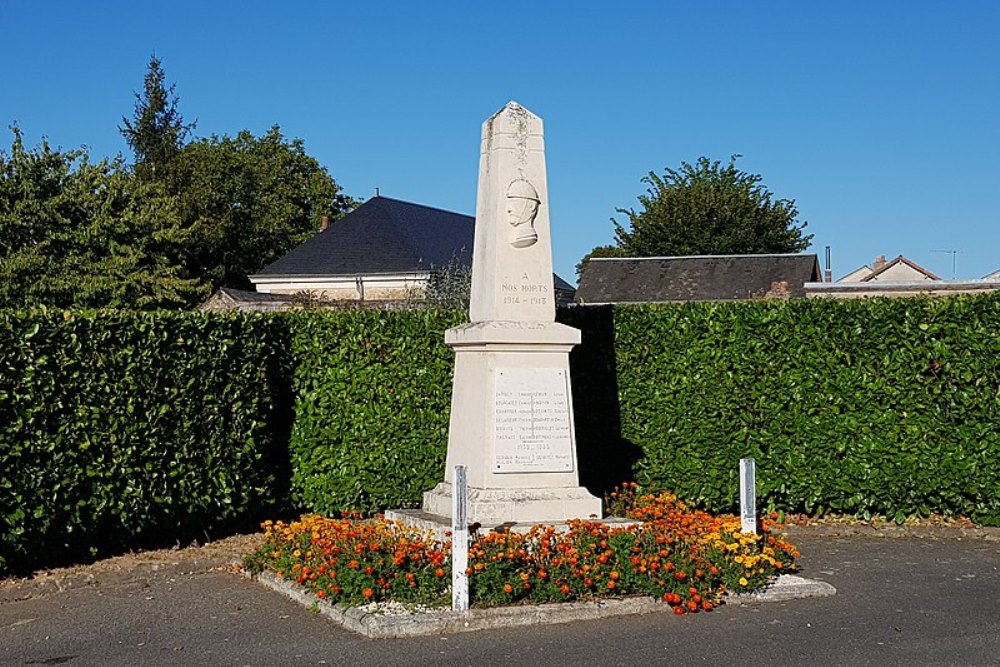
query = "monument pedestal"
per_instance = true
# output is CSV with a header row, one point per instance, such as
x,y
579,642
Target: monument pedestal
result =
x,y
512,425
512,405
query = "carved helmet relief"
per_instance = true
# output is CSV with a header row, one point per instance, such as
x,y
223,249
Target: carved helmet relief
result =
x,y
522,207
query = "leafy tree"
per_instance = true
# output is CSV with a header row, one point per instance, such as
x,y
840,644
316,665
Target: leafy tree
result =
x,y
187,218
248,200
157,130
707,209
78,234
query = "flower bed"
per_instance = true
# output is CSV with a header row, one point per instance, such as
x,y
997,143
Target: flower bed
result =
x,y
687,558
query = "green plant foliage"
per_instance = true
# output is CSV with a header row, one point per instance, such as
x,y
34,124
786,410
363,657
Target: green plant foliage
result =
x,y
157,130
708,209
118,429
79,234
246,201
705,208
373,392
123,428
874,406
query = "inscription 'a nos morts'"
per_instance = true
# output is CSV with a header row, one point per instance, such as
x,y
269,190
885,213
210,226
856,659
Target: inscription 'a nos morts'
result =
x,y
532,421
524,292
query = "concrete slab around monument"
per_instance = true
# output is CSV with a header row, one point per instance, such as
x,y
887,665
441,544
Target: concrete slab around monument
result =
x,y
491,507
440,525
387,620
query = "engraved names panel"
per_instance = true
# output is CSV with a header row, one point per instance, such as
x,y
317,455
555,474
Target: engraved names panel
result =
x,y
532,421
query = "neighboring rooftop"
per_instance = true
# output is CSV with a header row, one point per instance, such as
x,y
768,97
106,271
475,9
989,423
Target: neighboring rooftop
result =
x,y
696,278
900,269
383,235
228,298
387,236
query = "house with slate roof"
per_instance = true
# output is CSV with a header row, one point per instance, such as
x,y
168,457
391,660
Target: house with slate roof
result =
x,y
383,251
696,278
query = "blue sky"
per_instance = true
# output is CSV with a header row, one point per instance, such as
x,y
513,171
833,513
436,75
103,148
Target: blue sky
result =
x,y
881,119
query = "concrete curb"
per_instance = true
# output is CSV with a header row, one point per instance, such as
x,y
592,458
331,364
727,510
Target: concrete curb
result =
x,y
786,587
376,625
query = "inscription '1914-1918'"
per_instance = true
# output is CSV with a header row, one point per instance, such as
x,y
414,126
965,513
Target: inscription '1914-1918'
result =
x,y
524,293
532,421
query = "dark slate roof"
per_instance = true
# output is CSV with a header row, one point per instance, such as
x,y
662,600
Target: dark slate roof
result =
x,y
383,236
694,278
386,235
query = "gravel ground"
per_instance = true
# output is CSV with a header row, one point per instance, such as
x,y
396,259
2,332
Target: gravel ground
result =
x,y
138,568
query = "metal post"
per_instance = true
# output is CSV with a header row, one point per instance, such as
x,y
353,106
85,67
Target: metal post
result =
x,y
459,541
748,495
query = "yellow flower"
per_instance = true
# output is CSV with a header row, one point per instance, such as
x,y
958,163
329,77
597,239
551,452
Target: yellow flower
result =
x,y
743,581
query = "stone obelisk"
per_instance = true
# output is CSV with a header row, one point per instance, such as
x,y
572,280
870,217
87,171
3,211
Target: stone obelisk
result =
x,y
511,411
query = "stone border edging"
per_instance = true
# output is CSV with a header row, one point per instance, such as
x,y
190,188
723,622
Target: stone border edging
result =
x,y
382,626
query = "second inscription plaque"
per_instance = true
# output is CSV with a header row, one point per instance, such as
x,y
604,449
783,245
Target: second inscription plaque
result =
x,y
532,421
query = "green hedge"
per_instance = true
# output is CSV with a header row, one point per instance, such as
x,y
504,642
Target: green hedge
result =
x,y
118,429
875,406
123,428
373,394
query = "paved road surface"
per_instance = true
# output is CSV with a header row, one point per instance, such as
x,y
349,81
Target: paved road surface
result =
x,y
901,601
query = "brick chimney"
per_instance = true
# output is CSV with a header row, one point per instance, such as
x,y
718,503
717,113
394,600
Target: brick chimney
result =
x,y
879,262
325,223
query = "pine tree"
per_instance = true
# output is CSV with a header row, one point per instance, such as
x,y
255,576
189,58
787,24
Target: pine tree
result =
x,y
157,131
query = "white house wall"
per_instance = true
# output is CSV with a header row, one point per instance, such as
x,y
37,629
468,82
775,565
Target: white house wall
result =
x,y
388,287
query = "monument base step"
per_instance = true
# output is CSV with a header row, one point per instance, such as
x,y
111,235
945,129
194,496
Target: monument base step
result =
x,y
520,505
441,525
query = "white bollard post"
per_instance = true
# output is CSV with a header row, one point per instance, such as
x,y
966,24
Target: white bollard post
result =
x,y
748,495
459,541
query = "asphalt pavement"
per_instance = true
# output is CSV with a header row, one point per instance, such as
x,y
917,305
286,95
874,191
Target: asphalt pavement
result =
x,y
902,600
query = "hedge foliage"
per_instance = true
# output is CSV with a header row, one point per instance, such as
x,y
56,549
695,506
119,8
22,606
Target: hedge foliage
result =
x,y
874,406
373,395
118,429
123,428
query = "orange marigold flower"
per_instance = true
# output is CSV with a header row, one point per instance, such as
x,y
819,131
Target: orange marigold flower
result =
x,y
439,573
508,589
680,611
368,593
